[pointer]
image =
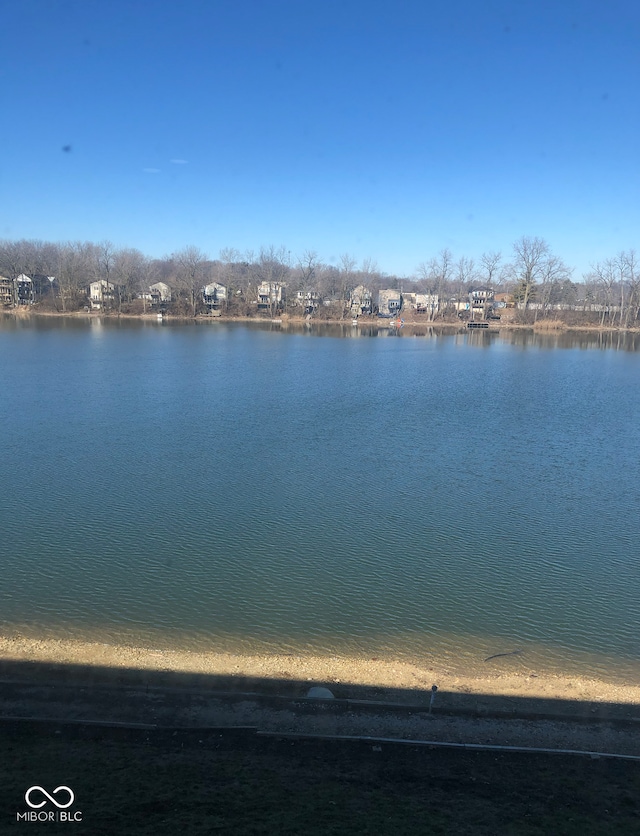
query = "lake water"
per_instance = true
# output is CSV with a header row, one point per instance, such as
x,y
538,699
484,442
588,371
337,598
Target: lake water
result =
x,y
339,491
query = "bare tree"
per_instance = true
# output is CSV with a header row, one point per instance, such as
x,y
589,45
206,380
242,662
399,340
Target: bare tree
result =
x,y
146,274
466,273
272,266
235,273
534,264
74,271
307,265
490,266
440,270
369,266
191,267
14,260
529,255
347,283
229,255
629,277
104,257
554,273
605,276
371,277
129,270
305,278
103,260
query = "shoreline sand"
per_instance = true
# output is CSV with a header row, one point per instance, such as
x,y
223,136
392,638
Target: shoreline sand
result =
x,y
386,678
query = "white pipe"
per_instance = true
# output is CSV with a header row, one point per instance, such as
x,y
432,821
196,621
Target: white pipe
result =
x,y
488,747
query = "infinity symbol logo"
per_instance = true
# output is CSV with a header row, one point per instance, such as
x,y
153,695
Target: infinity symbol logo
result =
x,y
49,797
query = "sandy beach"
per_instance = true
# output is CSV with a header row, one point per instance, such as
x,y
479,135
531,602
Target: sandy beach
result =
x,y
95,683
382,678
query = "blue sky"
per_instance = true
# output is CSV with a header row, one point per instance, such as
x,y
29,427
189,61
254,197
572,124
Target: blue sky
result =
x,y
388,130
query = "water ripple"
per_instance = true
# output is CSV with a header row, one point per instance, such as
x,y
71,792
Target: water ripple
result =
x,y
261,490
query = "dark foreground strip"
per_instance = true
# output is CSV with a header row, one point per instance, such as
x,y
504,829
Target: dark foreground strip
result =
x,y
477,747
162,734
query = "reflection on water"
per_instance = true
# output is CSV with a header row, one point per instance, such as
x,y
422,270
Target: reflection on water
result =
x,y
521,337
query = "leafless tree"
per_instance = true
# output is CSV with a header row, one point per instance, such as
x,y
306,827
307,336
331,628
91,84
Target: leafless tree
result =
x,y
74,272
534,264
273,265
104,257
437,274
101,267
191,266
235,272
491,268
347,265
307,265
466,273
129,272
145,274
369,266
229,255
529,256
554,274
14,258
603,274
434,277
626,265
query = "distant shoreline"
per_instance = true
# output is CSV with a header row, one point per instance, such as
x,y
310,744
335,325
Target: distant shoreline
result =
x,y
542,326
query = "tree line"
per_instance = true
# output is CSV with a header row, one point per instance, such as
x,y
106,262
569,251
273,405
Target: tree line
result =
x,y
538,280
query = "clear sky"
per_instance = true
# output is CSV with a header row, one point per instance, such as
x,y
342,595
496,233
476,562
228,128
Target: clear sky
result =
x,y
386,129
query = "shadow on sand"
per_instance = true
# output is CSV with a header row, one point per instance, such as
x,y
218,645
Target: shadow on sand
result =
x,y
172,698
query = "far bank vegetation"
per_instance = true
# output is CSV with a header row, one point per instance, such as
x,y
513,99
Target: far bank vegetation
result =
x,y
529,286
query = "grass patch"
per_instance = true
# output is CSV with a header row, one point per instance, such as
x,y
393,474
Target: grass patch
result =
x,y
549,325
247,785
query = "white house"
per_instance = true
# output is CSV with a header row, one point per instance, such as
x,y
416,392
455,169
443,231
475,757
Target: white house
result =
x,y
427,303
100,291
160,293
271,295
214,296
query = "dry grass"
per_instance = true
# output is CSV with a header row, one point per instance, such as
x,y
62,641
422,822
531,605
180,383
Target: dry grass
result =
x,y
549,325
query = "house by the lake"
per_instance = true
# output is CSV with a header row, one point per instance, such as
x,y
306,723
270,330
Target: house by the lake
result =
x,y
427,303
24,293
214,296
18,291
389,303
309,300
160,293
6,292
361,301
271,296
480,300
101,293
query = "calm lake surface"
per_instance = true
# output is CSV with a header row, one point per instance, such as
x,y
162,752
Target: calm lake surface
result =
x,y
339,491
